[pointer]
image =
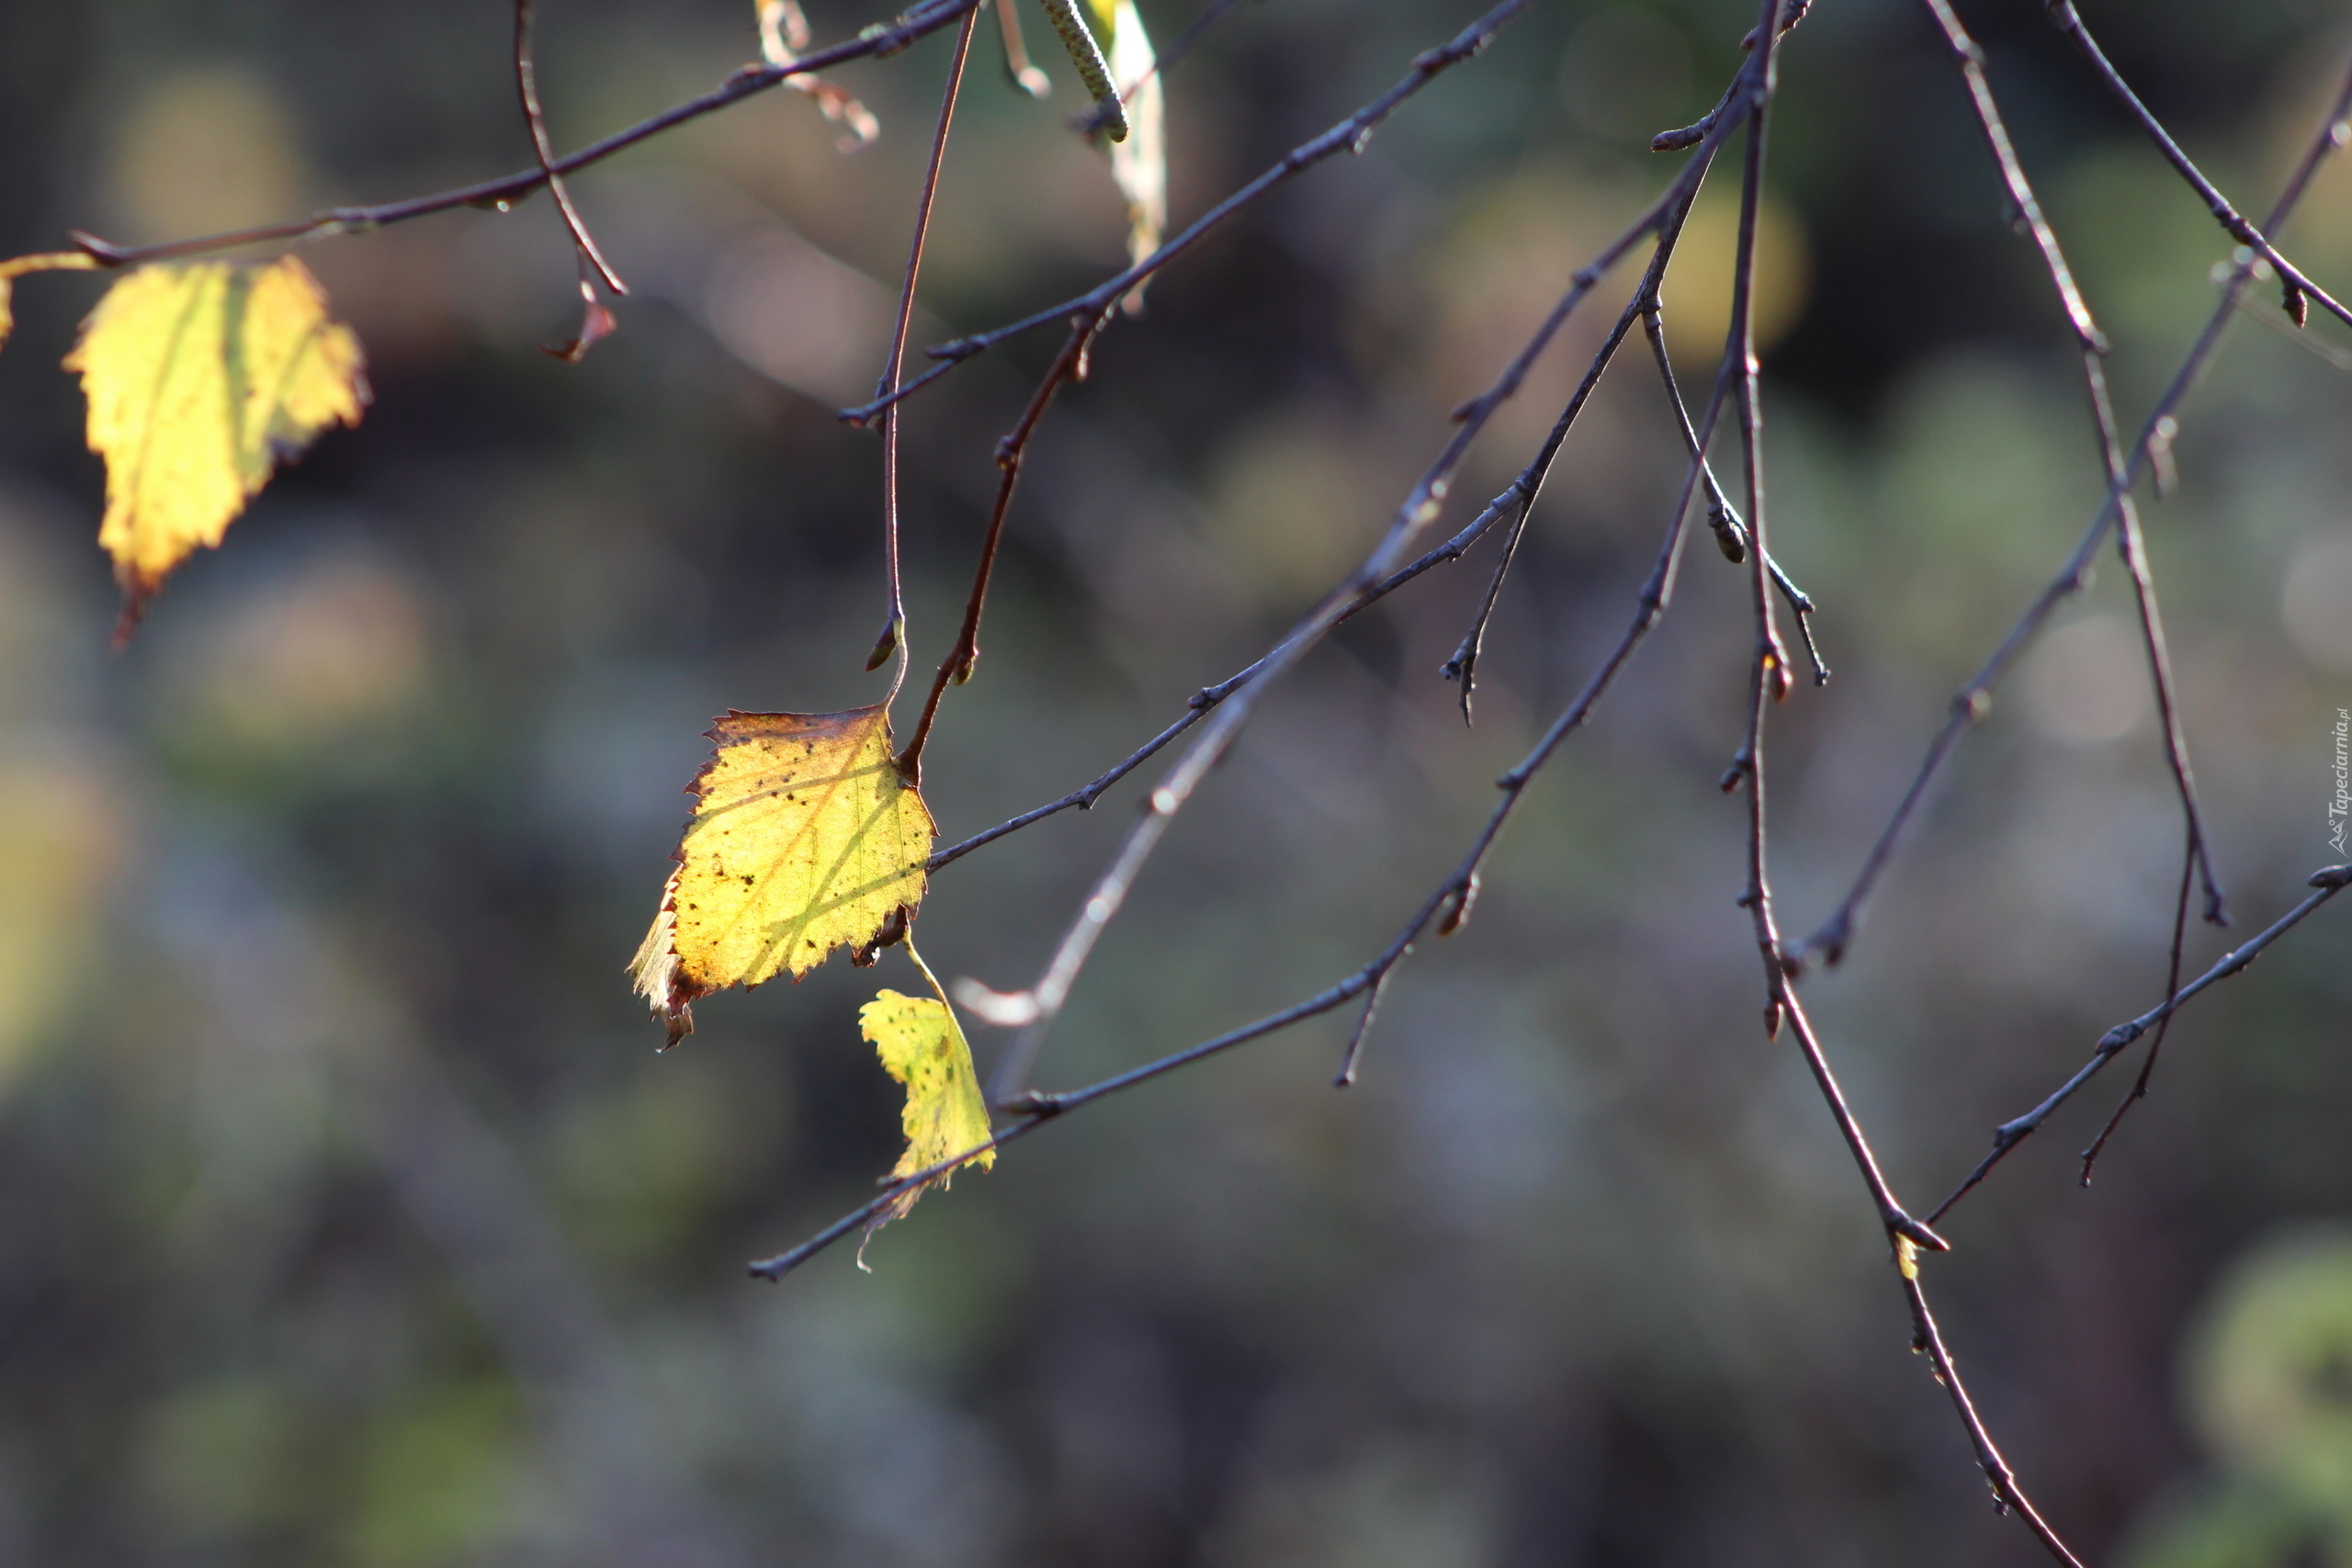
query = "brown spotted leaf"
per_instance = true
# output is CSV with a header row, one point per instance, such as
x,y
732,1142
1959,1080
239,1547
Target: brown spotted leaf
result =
x,y
805,838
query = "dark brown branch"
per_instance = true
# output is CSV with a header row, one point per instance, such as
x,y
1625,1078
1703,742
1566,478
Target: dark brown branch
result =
x,y
2329,881
1447,905
1463,665
894,625
2091,344
1768,683
2232,222
526,86
877,42
1974,699
1032,1011
2155,1047
1349,136
1768,678
1929,1341
2023,205
956,668
1208,697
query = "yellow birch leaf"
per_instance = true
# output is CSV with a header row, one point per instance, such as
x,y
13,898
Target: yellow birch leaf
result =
x,y
805,838
16,266
922,1046
200,379
1138,164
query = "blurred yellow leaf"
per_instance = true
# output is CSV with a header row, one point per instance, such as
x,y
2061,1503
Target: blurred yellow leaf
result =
x,y
805,838
922,1046
1139,162
65,836
200,379
16,266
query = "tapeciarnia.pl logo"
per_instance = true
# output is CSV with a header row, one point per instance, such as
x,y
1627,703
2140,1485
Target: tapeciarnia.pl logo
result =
x,y
2340,809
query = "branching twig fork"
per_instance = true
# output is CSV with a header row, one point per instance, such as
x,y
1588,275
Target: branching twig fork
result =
x,y
1731,534
1197,707
1446,904
1032,1011
1769,681
878,42
1349,136
1463,665
2091,345
596,320
1974,699
2329,881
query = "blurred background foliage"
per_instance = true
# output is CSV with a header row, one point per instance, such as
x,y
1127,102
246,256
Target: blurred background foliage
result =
x,y
348,1217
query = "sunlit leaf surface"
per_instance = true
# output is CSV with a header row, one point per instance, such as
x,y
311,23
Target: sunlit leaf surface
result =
x,y
200,379
922,1046
805,838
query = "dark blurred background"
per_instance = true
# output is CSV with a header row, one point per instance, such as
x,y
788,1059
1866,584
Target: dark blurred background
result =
x,y
347,1216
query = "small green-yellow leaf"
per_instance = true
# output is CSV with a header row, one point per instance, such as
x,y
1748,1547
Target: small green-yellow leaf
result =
x,y
200,379
922,1046
805,838
1139,162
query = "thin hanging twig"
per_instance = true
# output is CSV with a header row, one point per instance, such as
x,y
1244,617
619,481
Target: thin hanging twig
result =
x,y
893,626
595,320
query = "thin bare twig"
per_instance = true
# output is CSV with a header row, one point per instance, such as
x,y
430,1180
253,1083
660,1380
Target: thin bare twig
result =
x,y
2090,345
1032,1011
2297,283
1974,699
2329,881
2148,1066
893,626
1463,665
955,669
595,320
1768,677
1197,706
1349,136
1928,1340
1769,682
1731,534
878,42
